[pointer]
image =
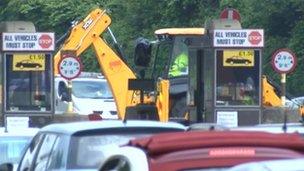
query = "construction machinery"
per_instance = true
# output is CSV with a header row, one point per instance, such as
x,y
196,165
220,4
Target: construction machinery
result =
x,y
222,84
127,94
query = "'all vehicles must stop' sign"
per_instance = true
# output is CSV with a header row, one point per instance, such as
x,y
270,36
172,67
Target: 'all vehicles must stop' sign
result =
x,y
39,41
238,38
284,61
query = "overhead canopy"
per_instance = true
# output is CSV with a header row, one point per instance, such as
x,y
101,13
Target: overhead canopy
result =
x,y
181,31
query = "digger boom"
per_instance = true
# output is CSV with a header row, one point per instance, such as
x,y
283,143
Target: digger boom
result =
x,y
88,32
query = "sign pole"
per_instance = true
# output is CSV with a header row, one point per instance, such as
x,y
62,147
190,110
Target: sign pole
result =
x,y
70,102
69,67
283,84
283,62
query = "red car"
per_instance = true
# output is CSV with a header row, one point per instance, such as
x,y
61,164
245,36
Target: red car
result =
x,y
203,150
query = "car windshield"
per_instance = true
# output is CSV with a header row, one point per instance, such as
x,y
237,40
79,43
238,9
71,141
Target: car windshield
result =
x,y
11,148
91,89
86,151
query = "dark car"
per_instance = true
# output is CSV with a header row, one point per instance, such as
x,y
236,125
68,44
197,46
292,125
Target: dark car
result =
x,y
28,64
79,145
238,60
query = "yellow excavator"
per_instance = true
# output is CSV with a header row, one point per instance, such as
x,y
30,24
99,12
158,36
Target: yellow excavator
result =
x,y
89,33
134,94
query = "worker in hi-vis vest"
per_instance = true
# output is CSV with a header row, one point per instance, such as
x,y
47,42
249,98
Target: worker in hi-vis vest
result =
x,y
180,64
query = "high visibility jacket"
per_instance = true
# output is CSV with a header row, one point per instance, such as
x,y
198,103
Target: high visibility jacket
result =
x,y
180,65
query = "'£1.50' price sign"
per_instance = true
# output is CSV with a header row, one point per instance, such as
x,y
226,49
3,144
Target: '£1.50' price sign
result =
x,y
69,67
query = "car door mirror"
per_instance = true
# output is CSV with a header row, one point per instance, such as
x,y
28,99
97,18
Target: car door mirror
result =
x,y
65,97
63,91
6,167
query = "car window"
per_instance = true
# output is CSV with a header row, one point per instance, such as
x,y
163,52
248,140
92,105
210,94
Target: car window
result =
x,y
45,152
90,148
12,147
57,158
30,152
91,89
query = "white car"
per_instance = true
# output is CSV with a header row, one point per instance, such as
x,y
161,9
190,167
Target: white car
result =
x,y
90,94
298,100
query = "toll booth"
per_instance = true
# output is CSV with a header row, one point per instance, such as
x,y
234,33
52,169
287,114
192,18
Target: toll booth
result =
x,y
225,67
26,74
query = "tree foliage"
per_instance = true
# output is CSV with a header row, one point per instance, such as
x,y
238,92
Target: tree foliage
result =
x,y
282,21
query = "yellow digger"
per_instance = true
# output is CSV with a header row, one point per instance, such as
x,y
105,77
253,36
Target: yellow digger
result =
x,y
89,32
200,94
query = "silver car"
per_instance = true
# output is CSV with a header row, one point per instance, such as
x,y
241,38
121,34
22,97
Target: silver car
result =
x,y
79,145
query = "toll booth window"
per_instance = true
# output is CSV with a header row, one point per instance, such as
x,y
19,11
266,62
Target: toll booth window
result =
x,y
237,77
28,82
179,59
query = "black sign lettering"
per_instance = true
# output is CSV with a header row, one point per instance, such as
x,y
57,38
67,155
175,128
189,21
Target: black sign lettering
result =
x,y
223,41
13,45
8,38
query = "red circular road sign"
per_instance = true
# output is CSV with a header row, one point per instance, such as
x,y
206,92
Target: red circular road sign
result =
x,y
283,61
69,67
255,38
45,41
230,13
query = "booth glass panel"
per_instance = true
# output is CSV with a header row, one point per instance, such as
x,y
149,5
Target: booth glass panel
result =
x,y
237,77
28,82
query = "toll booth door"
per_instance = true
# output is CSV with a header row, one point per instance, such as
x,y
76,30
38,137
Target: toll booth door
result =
x,y
201,78
28,83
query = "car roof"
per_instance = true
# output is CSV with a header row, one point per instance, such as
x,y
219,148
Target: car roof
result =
x,y
169,142
82,79
274,128
85,76
214,149
19,132
82,126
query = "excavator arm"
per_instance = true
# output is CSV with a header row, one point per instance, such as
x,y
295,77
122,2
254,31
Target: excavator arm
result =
x,y
117,73
270,97
81,35
115,70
